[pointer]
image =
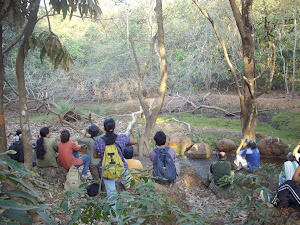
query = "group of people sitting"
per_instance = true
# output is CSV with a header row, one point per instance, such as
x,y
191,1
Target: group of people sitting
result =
x,y
66,154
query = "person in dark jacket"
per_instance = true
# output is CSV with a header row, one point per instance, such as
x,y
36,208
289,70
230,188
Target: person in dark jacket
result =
x,y
18,147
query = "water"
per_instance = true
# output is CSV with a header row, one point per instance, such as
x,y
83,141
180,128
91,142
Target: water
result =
x,y
202,165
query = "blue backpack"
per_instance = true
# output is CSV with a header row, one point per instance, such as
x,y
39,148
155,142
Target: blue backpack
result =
x,y
164,170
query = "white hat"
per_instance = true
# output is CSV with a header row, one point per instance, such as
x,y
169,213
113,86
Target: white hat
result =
x,y
297,156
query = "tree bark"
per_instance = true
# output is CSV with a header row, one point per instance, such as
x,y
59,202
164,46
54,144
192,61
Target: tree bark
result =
x,y
3,141
23,112
152,112
295,48
244,23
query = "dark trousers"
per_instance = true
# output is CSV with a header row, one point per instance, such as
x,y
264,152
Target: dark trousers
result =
x,y
287,188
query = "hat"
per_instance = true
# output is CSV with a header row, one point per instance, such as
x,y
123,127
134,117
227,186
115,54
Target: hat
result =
x,y
297,156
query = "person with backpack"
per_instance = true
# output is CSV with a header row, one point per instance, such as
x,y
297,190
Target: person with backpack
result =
x,y
112,162
46,149
18,147
66,157
163,158
95,133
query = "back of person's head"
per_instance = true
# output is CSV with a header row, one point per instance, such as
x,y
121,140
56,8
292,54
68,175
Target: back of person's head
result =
x,y
44,131
290,156
250,144
109,125
128,152
40,150
64,136
221,155
18,132
93,130
160,138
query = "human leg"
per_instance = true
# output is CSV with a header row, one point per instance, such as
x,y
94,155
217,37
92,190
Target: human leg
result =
x,y
85,162
75,153
110,186
287,188
94,169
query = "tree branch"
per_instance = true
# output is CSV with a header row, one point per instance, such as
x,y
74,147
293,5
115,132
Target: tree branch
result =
x,y
133,121
238,18
224,50
272,70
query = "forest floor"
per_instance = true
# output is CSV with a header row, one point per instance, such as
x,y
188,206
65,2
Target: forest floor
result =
x,y
196,196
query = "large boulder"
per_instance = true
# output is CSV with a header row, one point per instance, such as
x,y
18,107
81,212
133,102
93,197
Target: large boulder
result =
x,y
180,142
226,145
271,146
198,151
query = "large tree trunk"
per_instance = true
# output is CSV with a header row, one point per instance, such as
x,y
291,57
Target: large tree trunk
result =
x,y
3,141
23,113
244,23
295,48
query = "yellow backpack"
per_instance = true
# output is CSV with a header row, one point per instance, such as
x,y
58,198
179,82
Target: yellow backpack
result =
x,y
112,164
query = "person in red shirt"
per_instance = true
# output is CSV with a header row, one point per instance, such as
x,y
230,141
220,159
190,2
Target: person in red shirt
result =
x,y
66,157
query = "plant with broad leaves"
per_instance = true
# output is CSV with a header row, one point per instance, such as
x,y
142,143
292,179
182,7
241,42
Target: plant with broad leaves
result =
x,y
140,206
247,187
18,194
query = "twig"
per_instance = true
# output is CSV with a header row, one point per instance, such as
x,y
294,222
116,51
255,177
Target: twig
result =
x,y
133,120
180,121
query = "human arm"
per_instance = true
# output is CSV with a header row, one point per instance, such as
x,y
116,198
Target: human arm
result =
x,y
132,141
296,149
75,147
240,147
296,177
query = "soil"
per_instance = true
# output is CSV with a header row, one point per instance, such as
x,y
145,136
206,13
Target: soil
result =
x,y
194,196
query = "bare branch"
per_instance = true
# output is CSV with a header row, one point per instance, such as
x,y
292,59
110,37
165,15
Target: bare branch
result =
x,y
224,50
272,70
61,120
180,121
133,120
17,39
238,18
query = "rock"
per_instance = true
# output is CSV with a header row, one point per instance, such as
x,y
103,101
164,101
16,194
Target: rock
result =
x,y
226,145
180,142
260,135
271,146
198,151
52,174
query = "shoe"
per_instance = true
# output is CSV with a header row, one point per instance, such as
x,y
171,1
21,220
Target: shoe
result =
x,y
84,177
268,201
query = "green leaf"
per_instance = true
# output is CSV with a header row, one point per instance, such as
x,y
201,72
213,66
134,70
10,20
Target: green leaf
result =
x,y
23,184
17,215
45,217
12,204
22,194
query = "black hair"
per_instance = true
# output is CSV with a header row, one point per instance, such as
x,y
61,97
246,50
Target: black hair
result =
x,y
65,136
160,138
18,132
251,144
93,130
109,127
128,152
40,149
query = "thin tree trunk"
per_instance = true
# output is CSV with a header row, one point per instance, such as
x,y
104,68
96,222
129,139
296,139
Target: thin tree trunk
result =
x,y
3,141
23,112
153,112
295,48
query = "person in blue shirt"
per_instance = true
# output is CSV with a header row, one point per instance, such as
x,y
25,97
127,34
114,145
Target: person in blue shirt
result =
x,y
251,153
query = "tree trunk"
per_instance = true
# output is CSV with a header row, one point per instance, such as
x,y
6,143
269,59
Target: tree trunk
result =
x,y
3,141
295,48
24,120
244,23
152,114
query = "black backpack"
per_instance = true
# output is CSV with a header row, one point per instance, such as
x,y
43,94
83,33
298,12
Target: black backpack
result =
x,y
164,170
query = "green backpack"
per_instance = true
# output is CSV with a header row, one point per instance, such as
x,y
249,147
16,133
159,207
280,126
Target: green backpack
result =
x,y
112,164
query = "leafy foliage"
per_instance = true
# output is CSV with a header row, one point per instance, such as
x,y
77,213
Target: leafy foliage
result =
x,y
248,188
140,207
50,45
18,194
